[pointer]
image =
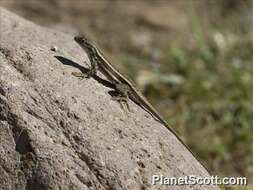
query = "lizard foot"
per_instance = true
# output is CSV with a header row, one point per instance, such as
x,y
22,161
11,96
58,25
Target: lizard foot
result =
x,y
81,75
121,100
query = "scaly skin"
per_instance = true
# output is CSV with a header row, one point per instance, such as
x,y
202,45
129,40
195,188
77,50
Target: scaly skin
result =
x,y
122,85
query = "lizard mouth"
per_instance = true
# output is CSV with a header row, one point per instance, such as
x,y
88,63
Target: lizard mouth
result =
x,y
81,39
78,38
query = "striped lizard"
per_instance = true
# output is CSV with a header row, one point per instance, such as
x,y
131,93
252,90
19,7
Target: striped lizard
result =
x,y
123,86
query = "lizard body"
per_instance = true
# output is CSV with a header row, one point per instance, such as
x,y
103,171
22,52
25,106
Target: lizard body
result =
x,y
122,84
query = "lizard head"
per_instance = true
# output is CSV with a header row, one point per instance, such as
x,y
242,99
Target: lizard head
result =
x,y
85,43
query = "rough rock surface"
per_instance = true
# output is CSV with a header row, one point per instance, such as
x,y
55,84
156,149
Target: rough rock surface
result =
x,y
60,132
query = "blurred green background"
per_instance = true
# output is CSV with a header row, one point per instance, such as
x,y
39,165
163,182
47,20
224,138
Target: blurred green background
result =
x,y
191,59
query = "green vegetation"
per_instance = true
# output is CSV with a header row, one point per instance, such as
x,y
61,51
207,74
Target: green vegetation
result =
x,y
206,93
215,104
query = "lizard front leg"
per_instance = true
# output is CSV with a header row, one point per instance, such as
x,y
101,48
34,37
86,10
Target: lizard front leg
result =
x,y
94,67
91,72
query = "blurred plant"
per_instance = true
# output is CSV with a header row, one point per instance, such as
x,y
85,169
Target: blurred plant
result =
x,y
206,92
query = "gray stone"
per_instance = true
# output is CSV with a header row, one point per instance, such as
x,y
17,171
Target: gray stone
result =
x,y
60,132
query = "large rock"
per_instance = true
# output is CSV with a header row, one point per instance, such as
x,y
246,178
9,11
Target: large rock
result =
x,y
60,132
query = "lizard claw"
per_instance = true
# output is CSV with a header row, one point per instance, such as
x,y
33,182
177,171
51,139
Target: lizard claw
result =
x,y
121,100
81,75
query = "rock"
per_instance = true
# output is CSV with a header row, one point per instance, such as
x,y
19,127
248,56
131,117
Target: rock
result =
x,y
60,132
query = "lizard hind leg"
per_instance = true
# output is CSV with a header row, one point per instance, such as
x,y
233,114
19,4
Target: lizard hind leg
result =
x,y
122,96
122,100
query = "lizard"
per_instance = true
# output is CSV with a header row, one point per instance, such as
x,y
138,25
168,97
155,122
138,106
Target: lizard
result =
x,y
123,86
